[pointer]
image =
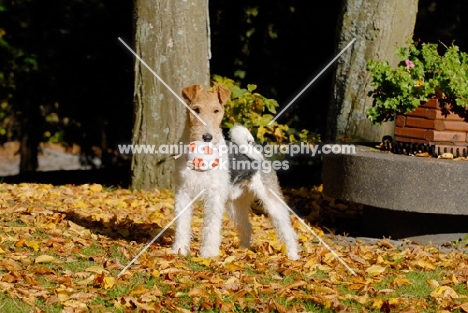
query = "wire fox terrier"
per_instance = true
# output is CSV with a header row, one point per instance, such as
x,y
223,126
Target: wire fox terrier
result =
x,y
225,185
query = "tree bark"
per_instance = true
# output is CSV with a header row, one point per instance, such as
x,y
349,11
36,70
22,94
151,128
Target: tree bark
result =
x,y
31,121
379,28
172,37
31,132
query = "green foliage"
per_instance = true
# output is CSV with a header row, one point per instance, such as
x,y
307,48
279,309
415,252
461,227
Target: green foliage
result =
x,y
461,241
255,112
6,121
422,74
41,68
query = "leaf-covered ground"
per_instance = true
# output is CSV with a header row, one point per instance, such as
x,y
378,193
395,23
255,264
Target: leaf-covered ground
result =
x,y
62,247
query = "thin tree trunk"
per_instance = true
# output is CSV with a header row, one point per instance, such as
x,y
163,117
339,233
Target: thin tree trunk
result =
x,y
379,28
172,38
31,132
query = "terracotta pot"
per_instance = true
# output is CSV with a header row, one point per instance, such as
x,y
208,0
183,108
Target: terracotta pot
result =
x,y
434,124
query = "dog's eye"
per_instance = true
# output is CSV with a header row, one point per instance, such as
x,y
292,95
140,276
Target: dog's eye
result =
x,y
196,110
216,111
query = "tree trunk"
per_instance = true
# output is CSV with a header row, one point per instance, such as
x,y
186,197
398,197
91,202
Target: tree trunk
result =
x,y
30,138
379,28
172,38
31,123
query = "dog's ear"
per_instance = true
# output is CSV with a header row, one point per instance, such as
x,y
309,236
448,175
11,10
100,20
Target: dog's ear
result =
x,y
224,94
191,93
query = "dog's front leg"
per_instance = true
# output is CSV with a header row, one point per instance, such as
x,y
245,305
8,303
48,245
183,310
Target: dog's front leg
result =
x,y
213,217
182,224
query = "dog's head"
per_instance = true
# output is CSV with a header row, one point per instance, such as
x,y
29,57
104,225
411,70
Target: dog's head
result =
x,y
209,106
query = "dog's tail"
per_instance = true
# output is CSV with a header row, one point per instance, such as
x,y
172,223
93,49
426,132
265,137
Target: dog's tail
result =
x,y
246,142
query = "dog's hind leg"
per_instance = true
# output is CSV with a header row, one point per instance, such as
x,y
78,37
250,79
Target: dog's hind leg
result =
x,y
238,209
260,185
182,224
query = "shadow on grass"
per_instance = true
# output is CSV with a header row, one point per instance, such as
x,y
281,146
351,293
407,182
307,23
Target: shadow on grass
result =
x,y
125,229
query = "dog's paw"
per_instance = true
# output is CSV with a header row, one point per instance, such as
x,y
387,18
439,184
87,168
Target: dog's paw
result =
x,y
180,250
208,253
293,256
244,246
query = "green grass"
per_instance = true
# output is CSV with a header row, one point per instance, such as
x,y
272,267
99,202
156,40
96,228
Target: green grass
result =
x,y
136,281
195,266
419,287
110,188
15,223
76,266
92,250
384,282
319,275
114,253
461,289
261,278
9,305
461,241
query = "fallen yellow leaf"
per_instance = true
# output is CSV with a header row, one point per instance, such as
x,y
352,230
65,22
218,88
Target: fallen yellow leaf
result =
x,y
96,269
108,282
4,286
121,205
20,243
453,279
95,188
87,281
377,303
375,270
464,307
156,291
361,299
425,264
46,259
444,292
80,205
200,260
400,281
310,263
62,294
145,307
196,292
322,289
33,244
75,304
233,267
302,238
138,291
432,283
155,273
229,259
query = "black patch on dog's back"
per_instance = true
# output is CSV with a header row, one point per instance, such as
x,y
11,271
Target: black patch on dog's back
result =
x,y
240,166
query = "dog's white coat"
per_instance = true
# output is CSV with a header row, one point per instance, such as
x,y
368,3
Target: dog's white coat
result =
x,y
221,196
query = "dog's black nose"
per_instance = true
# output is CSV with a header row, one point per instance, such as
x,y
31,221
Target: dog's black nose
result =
x,y
207,137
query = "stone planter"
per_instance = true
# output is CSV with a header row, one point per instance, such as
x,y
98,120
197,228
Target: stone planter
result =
x,y
435,126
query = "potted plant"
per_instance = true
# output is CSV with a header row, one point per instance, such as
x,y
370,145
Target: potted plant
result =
x,y
427,94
